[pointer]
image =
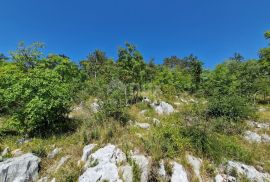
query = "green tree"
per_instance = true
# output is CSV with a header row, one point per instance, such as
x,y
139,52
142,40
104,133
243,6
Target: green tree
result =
x,y
27,56
94,64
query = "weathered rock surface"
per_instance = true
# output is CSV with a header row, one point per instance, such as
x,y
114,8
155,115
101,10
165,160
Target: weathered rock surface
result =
x,y
143,125
143,163
23,168
5,151
252,137
258,125
94,107
126,172
52,154
179,173
87,150
102,165
196,165
249,171
162,108
265,138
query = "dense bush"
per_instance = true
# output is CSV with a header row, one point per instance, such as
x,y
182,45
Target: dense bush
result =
x,y
38,99
114,102
232,106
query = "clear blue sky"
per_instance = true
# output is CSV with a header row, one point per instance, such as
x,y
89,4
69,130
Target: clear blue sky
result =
x,y
211,29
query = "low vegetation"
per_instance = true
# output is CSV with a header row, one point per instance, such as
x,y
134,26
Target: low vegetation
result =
x,y
58,103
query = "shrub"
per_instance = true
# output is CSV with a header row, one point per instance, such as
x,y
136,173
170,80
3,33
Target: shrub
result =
x,y
114,102
38,100
231,106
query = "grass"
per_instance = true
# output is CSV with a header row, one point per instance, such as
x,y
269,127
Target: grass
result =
x,y
169,141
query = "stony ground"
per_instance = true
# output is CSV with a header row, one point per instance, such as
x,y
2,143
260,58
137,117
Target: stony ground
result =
x,y
120,156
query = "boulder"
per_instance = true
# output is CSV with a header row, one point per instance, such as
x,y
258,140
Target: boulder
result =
x,y
143,163
94,107
87,150
162,108
126,173
102,165
252,137
196,164
265,138
143,125
23,168
161,170
249,171
5,151
62,161
224,178
179,173
52,154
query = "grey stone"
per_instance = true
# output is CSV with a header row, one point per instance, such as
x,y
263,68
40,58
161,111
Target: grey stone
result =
x,y
265,138
249,171
252,137
143,125
196,164
162,108
179,173
126,172
52,154
5,151
87,150
62,161
23,168
143,163
102,165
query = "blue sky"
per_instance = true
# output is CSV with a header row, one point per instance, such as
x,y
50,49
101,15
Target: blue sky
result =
x,y
211,29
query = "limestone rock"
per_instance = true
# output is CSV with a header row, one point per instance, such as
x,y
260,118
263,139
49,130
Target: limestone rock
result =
x,y
87,151
265,138
143,125
5,151
102,165
143,163
179,173
162,108
23,168
52,154
249,171
126,172
196,165
252,137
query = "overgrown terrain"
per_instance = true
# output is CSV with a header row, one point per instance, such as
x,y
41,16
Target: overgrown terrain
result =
x,y
48,102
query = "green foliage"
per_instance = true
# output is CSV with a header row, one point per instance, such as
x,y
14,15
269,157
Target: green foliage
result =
x,y
231,106
114,102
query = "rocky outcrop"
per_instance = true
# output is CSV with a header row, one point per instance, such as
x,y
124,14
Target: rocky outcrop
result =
x,y
162,108
143,125
102,165
143,163
196,165
252,137
52,154
23,168
87,150
179,173
248,171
